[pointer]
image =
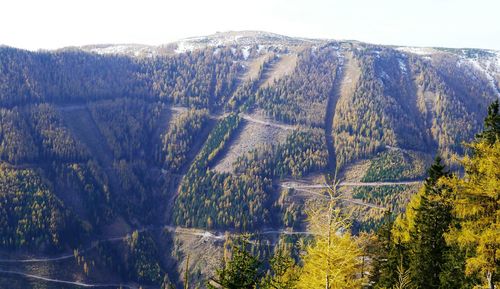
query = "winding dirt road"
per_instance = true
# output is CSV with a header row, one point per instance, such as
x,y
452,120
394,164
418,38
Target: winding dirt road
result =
x,y
177,230
75,283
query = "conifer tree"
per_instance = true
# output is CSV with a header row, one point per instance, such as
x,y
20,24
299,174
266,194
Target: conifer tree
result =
x,y
452,275
334,259
387,256
243,271
432,219
477,206
491,131
283,273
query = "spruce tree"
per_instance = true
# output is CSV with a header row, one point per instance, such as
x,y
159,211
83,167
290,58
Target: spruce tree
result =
x,y
432,220
491,131
387,255
452,274
283,272
243,271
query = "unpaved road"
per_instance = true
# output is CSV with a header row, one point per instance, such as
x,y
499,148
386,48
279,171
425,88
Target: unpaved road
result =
x,y
75,283
295,185
308,188
215,235
348,200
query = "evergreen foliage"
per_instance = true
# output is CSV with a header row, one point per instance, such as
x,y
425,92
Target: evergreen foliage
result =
x,y
242,271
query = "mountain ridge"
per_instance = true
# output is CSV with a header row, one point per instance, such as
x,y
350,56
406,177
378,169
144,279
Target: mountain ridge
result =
x,y
255,36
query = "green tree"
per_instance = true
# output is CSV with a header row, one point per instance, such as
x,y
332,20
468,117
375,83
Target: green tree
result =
x,y
432,219
283,273
242,271
387,256
143,261
452,274
491,131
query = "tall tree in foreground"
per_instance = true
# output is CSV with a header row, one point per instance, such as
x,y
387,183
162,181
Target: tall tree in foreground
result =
x,y
417,238
333,261
432,219
386,258
477,202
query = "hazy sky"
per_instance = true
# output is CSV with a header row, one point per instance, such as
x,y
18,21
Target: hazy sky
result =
x,y
34,24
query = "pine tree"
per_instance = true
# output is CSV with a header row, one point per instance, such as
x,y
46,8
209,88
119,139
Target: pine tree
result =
x,y
404,278
452,274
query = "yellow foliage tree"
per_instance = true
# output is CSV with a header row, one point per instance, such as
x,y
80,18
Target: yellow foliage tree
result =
x,y
334,259
477,205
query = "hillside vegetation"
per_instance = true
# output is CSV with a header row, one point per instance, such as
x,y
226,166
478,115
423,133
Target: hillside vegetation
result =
x,y
96,146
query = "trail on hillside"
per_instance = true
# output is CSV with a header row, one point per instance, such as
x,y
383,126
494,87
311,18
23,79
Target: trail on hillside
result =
x,y
331,107
309,189
75,283
204,234
347,200
295,185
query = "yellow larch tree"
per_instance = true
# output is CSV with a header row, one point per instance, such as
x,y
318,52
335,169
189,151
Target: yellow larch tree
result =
x,y
334,259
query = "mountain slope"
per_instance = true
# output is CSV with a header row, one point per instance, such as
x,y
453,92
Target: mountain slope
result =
x,y
201,133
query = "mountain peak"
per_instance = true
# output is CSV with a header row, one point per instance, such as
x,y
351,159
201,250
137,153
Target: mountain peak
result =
x,y
246,37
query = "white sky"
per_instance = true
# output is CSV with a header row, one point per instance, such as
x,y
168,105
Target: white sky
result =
x,y
48,24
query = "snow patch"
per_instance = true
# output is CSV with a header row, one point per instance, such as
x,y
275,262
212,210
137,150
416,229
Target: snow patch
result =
x,y
402,65
485,69
246,52
417,50
183,47
122,49
117,49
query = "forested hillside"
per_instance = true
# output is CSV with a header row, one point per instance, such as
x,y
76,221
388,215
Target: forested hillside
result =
x,y
113,157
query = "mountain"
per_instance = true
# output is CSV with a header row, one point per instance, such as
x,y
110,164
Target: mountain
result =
x,y
219,39
233,132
